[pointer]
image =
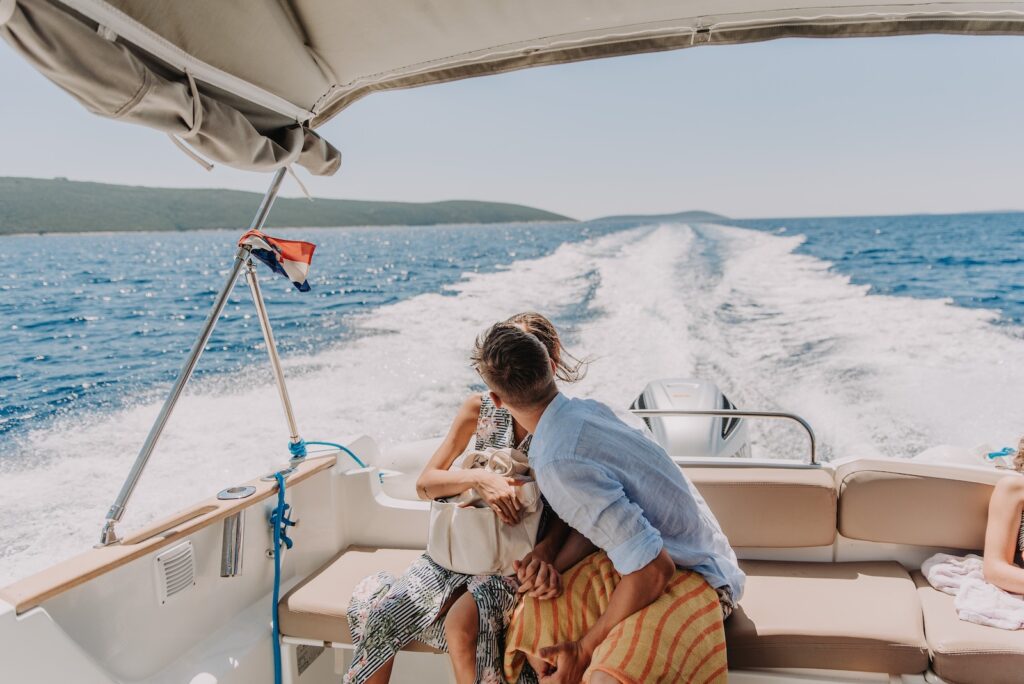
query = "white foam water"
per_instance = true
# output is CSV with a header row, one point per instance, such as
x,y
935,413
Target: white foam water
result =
x,y
876,375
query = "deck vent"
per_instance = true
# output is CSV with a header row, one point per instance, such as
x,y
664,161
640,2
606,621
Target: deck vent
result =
x,y
175,571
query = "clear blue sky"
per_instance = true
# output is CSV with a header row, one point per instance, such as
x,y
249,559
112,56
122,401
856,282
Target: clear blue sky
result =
x,y
788,128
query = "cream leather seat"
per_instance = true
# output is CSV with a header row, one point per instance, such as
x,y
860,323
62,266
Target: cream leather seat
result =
x,y
316,609
842,616
965,653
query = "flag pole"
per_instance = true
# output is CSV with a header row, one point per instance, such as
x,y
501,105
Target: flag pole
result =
x,y
275,360
109,534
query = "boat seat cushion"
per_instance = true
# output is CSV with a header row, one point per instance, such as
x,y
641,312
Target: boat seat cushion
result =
x,y
963,652
317,608
770,507
838,616
879,504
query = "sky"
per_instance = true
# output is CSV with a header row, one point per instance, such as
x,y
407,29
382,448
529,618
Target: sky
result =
x,y
787,128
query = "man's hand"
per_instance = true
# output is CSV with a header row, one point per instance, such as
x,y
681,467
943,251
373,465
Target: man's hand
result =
x,y
566,663
537,576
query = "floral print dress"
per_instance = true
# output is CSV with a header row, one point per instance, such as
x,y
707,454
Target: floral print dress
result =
x,y
387,612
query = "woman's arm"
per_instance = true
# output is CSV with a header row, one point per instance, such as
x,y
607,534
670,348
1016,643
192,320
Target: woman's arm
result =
x,y
438,480
1004,512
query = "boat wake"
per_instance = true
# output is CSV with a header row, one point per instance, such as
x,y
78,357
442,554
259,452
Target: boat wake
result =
x,y
875,375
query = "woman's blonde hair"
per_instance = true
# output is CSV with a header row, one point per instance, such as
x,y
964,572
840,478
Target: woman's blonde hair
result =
x,y
1018,458
567,367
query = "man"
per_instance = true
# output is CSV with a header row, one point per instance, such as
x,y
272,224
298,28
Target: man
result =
x,y
650,604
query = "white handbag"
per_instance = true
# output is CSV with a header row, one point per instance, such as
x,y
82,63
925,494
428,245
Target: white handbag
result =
x,y
466,535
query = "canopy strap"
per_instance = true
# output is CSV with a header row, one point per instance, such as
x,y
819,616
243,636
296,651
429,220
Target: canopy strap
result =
x,y
302,186
197,124
192,154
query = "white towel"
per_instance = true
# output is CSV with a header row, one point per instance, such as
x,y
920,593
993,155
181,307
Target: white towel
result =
x,y
976,600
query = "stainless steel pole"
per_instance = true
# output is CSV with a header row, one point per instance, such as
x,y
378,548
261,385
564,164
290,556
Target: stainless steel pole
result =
x,y
109,534
275,360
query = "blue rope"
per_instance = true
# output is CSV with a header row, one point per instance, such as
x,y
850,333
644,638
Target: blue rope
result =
x,y
280,522
298,450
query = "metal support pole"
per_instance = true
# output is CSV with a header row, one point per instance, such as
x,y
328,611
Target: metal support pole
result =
x,y
109,534
275,360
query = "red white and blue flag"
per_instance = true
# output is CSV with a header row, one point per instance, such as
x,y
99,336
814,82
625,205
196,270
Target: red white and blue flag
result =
x,y
290,258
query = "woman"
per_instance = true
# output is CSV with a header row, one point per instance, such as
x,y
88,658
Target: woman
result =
x,y
462,614
1004,535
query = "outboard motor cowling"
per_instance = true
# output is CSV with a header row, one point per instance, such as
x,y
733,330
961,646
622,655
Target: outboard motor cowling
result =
x,y
693,436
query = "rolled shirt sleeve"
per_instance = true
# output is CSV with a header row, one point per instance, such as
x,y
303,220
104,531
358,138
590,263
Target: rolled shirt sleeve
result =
x,y
591,500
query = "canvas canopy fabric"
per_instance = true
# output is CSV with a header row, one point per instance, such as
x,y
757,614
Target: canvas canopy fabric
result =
x,y
267,72
110,79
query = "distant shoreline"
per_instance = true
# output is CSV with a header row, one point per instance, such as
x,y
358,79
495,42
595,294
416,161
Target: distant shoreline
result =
x,y
240,230
37,206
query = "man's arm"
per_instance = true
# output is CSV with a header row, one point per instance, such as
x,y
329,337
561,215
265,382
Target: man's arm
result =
x,y
634,591
593,501
575,548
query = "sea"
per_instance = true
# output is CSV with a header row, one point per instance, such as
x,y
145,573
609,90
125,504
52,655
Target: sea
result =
x,y
889,334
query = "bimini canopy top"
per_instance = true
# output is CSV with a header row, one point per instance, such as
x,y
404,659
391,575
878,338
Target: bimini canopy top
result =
x,y
245,82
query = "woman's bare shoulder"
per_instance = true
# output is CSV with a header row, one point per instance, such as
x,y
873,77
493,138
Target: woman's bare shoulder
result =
x,y
1010,488
473,402
470,409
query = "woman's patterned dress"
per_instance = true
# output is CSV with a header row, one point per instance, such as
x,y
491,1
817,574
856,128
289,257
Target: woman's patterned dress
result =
x,y
388,612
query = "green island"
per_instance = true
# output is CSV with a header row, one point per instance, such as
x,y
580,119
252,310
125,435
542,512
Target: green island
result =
x,y
38,205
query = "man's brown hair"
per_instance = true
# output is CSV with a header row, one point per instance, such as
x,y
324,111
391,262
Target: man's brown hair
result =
x,y
514,364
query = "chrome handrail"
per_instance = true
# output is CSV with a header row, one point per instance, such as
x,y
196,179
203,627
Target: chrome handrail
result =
x,y
655,413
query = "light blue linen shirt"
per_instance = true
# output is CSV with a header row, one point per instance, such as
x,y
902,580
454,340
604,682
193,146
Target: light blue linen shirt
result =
x,y
619,488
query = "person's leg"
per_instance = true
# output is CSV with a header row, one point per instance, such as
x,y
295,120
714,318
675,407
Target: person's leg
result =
x,y
461,627
538,623
383,673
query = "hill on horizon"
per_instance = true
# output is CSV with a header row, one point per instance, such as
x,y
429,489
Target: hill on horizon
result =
x,y
39,205
678,216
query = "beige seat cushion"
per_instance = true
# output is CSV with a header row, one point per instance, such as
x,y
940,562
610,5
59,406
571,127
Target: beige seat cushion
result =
x,y
770,507
906,508
838,616
317,608
965,653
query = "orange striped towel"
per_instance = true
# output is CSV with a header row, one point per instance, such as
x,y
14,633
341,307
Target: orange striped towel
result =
x,y
678,638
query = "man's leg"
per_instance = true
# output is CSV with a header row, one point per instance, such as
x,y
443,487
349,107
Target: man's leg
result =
x,y
677,639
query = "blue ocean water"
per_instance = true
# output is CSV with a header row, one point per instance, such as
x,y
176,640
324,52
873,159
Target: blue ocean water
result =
x,y
890,335
94,321
976,260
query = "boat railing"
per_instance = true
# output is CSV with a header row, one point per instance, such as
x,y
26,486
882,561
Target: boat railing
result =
x,y
735,413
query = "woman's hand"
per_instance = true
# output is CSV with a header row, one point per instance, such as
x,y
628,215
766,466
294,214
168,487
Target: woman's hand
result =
x,y
537,576
501,494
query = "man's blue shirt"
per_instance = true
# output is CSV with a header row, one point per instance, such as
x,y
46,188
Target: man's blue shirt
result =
x,y
621,490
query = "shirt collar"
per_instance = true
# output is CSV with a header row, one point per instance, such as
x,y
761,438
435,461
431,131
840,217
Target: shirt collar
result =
x,y
554,407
